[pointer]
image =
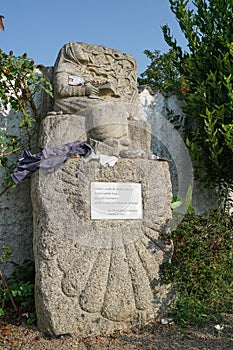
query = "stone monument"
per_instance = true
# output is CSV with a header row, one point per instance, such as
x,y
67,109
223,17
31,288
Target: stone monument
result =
x,y
98,221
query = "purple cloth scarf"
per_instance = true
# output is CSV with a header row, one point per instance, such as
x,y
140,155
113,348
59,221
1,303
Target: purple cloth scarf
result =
x,y
50,159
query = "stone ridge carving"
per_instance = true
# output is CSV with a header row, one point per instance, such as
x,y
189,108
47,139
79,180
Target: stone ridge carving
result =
x,y
119,259
99,72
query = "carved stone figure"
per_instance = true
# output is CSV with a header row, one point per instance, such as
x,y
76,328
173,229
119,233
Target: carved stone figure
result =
x,y
83,73
100,84
98,275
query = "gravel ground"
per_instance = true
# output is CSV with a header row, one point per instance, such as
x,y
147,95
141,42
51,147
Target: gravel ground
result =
x,y
15,335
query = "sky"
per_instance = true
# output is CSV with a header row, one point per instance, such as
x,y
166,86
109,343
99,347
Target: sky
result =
x,y
41,28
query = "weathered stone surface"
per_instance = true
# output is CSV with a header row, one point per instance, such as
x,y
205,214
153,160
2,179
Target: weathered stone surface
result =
x,y
108,72
15,205
140,134
61,129
16,225
107,120
97,276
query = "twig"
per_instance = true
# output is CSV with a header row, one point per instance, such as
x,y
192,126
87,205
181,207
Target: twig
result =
x,y
10,295
6,189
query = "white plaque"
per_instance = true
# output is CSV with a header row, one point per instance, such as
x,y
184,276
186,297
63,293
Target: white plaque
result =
x,y
116,200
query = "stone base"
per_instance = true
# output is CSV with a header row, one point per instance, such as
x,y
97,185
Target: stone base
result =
x,y
99,276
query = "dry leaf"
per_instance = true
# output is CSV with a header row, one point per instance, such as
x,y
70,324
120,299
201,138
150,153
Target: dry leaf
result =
x,y
5,332
1,22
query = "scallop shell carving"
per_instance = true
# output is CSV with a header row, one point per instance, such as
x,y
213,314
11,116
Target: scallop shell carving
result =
x,y
113,268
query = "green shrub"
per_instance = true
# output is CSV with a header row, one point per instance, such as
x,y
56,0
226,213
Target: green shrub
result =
x,y
18,291
202,73
202,267
20,82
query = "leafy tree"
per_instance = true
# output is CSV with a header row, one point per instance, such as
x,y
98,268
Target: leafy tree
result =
x,y
19,84
159,75
205,71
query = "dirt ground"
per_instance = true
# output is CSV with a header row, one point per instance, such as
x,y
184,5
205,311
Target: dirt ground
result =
x,y
15,335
